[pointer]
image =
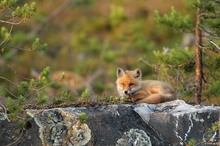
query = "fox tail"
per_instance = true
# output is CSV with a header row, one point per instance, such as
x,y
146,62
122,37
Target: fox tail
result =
x,y
157,98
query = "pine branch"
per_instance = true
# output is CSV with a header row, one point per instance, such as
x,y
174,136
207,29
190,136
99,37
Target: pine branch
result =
x,y
216,1
10,92
211,42
18,48
7,36
203,47
144,61
1,77
12,22
211,34
208,16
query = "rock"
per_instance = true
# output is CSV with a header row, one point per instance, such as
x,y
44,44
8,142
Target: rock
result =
x,y
178,122
171,123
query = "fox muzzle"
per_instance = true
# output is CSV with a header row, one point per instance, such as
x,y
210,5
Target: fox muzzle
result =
x,y
127,92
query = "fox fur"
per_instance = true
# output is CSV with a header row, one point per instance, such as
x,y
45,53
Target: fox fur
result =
x,y
130,84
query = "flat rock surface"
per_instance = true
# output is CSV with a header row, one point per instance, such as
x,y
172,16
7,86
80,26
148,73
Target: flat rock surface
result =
x,y
170,123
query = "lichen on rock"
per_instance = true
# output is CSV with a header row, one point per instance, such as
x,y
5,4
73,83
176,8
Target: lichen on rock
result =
x,y
134,137
59,127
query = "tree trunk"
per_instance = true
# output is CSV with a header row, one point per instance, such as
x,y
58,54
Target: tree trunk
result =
x,y
198,60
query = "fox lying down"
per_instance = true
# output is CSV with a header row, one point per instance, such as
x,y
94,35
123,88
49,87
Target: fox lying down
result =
x,y
130,84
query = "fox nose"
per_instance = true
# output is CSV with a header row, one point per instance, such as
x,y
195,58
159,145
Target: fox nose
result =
x,y
126,92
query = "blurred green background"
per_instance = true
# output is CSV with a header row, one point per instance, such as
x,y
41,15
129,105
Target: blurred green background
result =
x,y
88,40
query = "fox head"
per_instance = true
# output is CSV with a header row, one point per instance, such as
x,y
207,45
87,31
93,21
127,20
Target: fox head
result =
x,y
128,82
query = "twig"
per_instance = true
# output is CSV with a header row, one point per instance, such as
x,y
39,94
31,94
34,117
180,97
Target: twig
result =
x,y
16,139
12,23
203,47
208,47
10,93
50,83
37,90
210,34
217,1
19,48
15,72
5,111
144,61
7,35
211,42
1,77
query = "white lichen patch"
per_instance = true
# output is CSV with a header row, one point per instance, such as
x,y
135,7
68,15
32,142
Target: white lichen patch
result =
x,y
80,134
60,127
197,119
3,116
134,137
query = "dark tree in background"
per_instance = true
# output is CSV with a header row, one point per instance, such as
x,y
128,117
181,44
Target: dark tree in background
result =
x,y
198,58
204,22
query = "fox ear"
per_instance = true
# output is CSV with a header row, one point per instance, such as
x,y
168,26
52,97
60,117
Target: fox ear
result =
x,y
120,72
137,73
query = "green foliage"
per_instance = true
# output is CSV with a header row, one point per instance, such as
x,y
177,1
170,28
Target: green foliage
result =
x,y
213,90
14,12
178,65
15,109
210,14
112,99
174,20
21,123
23,88
117,14
42,98
210,7
175,57
191,142
5,35
26,11
82,118
44,77
214,126
11,105
45,73
65,96
85,95
21,100
8,3
37,46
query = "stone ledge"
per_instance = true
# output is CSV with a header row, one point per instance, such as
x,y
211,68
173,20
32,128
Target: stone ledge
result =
x,y
171,123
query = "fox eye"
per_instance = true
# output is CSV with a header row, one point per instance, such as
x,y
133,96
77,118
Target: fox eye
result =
x,y
122,84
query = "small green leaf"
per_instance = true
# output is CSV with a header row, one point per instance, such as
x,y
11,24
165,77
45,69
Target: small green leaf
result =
x,y
37,46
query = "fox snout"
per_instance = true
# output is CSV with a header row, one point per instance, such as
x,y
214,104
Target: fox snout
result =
x,y
127,92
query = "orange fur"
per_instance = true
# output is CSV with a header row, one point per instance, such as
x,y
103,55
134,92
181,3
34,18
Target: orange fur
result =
x,y
130,84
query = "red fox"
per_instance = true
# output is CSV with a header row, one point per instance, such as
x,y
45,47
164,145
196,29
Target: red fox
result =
x,y
131,85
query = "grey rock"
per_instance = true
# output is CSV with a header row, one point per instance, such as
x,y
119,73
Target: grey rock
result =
x,y
171,123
